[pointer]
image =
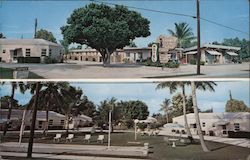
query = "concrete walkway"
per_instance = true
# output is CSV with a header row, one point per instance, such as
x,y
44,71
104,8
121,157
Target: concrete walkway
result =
x,y
80,150
241,142
61,157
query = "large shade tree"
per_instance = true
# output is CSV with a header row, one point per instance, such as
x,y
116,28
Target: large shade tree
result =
x,y
105,28
183,33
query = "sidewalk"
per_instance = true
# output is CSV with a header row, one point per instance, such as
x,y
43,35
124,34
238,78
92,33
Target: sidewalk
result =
x,y
77,150
61,157
241,142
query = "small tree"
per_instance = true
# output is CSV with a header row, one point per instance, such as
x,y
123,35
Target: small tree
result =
x,y
1,35
234,105
44,34
105,28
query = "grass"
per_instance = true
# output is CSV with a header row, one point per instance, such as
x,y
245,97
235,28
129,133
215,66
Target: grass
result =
x,y
159,150
7,73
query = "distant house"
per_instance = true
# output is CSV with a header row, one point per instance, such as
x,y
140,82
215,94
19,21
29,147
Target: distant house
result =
x,y
80,121
35,49
135,54
218,124
56,120
130,54
211,54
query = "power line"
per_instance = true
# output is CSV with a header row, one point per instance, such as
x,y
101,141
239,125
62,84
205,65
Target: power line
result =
x,y
177,14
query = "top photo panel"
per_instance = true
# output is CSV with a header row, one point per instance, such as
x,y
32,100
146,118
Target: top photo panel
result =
x,y
124,39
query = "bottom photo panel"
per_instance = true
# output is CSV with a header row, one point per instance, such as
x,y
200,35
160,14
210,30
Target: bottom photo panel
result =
x,y
176,120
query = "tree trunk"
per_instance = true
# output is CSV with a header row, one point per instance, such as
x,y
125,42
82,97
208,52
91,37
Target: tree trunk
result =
x,y
190,137
197,119
67,123
46,126
33,123
167,115
6,126
108,56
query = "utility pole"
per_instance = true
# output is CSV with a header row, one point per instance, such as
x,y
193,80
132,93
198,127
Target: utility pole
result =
x,y
35,28
198,38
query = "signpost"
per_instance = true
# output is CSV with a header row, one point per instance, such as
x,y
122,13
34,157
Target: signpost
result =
x,y
21,73
155,52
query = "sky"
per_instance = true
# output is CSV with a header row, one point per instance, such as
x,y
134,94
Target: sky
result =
x,y
147,93
17,17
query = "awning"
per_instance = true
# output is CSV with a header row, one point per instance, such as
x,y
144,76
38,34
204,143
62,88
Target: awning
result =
x,y
232,53
15,49
191,52
214,53
220,123
41,119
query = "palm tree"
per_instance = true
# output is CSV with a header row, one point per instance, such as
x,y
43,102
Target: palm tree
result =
x,y
14,86
32,128
165,107
50,96
208,85
183,33
173,87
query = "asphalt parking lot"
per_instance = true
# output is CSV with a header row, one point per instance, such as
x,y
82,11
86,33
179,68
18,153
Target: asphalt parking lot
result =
x,y
95,70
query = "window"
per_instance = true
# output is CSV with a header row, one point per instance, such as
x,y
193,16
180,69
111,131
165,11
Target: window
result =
x,y
62,122
93,59
140,55
203,124
127,54
51,122
236,126
44,52
4,51
86,59
50,52
27,53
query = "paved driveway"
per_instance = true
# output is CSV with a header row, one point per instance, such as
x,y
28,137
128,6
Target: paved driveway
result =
x,y
93,70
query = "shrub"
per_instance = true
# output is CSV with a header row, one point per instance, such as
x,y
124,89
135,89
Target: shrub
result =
x,y
28,59
142,126
154,125
126,60
192,61
49,60
172,64
202,63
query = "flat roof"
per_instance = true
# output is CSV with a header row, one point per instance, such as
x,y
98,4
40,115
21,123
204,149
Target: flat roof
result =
x,y
27,42
206,45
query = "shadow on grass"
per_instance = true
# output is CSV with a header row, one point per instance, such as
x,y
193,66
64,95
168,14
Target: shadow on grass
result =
x,y
116,65
176,76
7,73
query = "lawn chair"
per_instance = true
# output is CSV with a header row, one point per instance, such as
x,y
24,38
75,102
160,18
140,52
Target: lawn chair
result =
x,y
70,137
100,138
87,138
57,137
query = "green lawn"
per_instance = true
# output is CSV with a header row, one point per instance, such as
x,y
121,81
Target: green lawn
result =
x,y
7,73
159,150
